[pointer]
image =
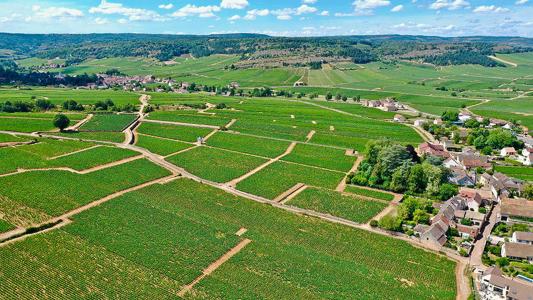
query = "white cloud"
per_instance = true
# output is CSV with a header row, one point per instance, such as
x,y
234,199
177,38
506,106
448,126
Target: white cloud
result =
x,y
132,14
490,9
324,13
305,9
193,10
397,8
284,17
449,4
122,21
57,12
234,18
369,4
309,1
101,21
254,13
234,4
166,6
520,2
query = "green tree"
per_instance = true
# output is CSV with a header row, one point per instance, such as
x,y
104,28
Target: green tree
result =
x,y
421,216
329,96
528,192
450,116
390,222
61,121
447,191
417,180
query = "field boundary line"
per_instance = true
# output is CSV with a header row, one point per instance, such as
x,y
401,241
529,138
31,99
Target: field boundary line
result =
x,y
215,265
282,140
181,151
342,185
82,172
291,193
514,65
82,122
235,181
75,152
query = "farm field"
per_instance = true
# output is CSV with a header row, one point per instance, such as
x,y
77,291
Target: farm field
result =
x,y
59,95
55,192
161,146
248,144
281,176
109,122
182,133
353,189
523,173
328,158
114,137
199,224
144,220
190,117
216,164
336,204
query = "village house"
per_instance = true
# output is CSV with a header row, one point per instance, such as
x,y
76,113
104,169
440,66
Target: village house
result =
x,y
437,121
518,251
500,184
516,211
399,118
234,85
463,117
508,151
385,105
495,286
433,150
460,177
450,215
473,160
473,199
299,83
420,122
522,237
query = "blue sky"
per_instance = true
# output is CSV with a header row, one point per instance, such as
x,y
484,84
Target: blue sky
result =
x,y
274,17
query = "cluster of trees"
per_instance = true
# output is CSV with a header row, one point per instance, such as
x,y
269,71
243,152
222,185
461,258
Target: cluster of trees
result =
x,y
462,57
357,55
19,106
489,140
8,76
412,211
398,168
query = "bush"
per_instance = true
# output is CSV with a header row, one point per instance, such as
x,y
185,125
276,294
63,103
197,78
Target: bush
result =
x,y
61,121
392,223
374,223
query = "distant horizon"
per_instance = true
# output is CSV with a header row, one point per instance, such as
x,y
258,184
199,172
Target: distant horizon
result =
x,y
267,35
292,18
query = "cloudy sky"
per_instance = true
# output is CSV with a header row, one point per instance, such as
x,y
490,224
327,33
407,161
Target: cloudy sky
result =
x,y
274,17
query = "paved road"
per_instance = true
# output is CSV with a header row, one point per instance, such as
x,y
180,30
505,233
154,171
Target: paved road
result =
x,y
479,246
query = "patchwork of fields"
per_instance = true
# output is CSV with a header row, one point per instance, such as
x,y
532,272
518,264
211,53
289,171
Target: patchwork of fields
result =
x,y
180,210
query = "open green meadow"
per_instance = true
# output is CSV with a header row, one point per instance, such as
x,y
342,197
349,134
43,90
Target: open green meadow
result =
x,y
109,122
216,164
181,233
336,204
